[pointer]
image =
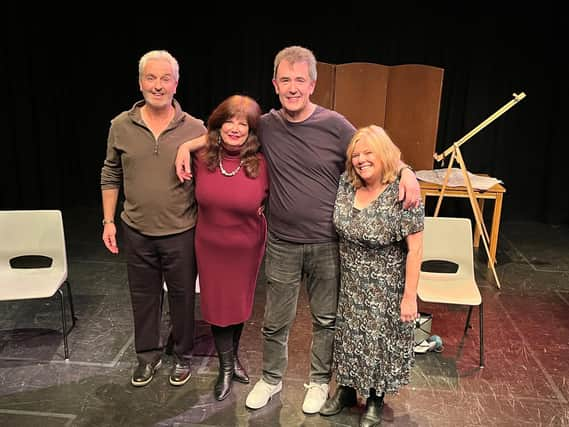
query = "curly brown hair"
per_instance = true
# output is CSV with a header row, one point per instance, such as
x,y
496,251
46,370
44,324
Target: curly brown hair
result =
x,y
236,105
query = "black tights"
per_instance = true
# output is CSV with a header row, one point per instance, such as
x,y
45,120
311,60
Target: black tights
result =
x,y
226,337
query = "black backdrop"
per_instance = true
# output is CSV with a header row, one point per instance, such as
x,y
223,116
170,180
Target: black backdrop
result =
x,y
63,81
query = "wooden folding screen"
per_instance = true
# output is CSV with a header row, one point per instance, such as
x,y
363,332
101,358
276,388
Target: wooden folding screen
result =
x,y
404,99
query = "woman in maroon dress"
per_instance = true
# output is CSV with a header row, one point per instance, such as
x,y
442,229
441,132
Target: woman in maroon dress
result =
x,y
231,186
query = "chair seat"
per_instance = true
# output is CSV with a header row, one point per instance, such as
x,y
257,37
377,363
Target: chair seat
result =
x,y
21,284
440,288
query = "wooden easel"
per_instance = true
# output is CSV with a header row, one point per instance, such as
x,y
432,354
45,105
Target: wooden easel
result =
x,y
454,151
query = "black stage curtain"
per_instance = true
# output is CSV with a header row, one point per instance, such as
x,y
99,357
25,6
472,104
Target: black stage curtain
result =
x,y
61,86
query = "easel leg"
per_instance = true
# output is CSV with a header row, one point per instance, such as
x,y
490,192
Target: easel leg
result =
x,y
476,232
477,214
495,229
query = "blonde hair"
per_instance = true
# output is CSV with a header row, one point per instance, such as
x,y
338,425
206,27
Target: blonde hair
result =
x,y
388,154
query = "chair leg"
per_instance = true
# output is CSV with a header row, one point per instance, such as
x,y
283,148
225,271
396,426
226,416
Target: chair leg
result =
x,y
71,307
64,329
468,320
481,314
64,323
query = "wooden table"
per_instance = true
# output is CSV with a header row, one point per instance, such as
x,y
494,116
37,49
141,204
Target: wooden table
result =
x,y
495,193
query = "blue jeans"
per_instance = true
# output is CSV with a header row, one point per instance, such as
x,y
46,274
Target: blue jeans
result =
x,y
286,266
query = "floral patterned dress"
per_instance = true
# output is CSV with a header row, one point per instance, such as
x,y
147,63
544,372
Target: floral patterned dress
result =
x,y
372,347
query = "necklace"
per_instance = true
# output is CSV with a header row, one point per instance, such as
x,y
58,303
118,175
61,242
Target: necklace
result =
x,y
225,173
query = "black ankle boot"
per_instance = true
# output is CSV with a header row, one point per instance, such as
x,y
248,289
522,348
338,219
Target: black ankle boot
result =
x,y
372,415
239,372
343,397
223,384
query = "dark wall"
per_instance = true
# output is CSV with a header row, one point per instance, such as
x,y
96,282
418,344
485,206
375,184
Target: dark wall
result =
x,y
62,83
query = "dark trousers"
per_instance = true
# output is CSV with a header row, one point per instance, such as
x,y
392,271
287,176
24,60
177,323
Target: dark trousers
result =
x,y
151,261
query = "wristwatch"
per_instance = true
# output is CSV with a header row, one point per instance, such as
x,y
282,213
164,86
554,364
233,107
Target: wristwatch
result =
x,y
108,221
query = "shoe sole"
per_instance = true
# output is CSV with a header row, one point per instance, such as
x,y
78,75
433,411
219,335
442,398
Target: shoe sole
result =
x,y
310,413
268,400
143,383
179,383
329,414
240,380
347,405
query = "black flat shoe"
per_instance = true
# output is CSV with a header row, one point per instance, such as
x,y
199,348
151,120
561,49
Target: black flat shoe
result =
x,y
181,373
343,397
144,373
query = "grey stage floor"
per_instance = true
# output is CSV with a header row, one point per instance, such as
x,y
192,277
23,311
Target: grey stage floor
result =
x,y
525,381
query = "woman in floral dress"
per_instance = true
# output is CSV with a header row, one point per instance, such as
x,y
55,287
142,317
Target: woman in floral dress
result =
x,y
380,256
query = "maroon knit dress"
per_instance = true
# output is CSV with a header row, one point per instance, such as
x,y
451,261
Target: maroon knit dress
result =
x,y
230,239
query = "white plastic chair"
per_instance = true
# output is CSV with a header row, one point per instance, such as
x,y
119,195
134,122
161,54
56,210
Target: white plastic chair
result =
x,y
33,260
447,242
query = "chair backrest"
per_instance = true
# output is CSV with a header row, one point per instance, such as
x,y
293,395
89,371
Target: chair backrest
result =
x,y
25,233
449,239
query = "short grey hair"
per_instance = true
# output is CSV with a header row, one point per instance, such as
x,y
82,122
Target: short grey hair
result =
x,y
294,54
159,54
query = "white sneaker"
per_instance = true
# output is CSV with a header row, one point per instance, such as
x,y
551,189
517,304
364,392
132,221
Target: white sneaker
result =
x,y
315,397
261,394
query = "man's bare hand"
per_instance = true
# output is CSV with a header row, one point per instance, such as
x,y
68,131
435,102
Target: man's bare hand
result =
x,y
109,238
409,189
183,163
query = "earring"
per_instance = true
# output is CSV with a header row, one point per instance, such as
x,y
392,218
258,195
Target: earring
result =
x,y
218,139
